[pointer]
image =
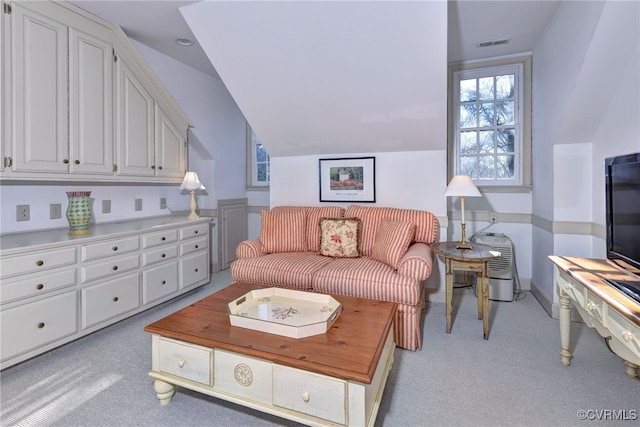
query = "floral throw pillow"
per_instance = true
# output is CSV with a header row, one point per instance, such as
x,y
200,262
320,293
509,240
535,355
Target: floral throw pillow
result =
x,y
340,237
392,241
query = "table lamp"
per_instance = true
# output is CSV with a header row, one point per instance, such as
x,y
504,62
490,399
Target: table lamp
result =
x,y
191,183
462,186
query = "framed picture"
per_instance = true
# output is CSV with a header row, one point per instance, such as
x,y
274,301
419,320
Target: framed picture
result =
x,y
348,180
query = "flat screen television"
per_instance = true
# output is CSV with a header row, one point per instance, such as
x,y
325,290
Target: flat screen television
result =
x,y
622,190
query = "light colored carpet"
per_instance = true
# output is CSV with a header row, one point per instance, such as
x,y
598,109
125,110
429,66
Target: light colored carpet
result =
x,y
513,379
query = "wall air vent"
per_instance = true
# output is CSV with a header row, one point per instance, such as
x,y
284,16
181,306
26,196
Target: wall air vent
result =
x,y
493,43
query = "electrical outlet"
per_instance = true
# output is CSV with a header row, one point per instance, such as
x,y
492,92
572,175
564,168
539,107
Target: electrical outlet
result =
x,y
23,213
493,217
55,211
106,206
138,204
163,203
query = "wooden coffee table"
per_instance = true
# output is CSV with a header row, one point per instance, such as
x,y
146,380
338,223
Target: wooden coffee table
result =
x,y
336,378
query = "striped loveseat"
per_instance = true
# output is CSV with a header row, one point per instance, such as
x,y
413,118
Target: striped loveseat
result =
x,y
393,258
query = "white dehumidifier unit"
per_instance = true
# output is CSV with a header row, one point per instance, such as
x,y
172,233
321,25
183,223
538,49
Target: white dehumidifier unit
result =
x,y
500,269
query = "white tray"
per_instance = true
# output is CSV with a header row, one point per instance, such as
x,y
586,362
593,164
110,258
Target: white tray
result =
x,y
293,314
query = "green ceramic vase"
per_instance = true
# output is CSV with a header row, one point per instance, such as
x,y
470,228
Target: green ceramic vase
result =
x,y
79,212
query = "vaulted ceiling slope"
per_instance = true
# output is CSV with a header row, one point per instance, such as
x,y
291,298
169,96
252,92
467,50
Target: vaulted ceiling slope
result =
x,y
332,77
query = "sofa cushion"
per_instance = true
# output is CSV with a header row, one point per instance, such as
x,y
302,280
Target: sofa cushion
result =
x,y
366,278
283,231
292,270
312,216
392,240
339,237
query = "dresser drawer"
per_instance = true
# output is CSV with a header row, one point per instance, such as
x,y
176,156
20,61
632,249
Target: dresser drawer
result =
x,y
625,331
309,393
36,261
194,269
160,238
194,245
159,281
159,255
243,376
37,284
194,231
38,323
109,299
185,360
108,268
109,248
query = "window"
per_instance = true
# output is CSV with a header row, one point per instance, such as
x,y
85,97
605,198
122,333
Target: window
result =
x,y
258,163
488,127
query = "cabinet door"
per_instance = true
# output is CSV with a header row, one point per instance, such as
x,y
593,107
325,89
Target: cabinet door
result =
x,y
39,92
170,148
4,108
91,104
134,124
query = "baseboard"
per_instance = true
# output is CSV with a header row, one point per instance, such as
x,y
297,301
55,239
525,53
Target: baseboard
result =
x,y
549,306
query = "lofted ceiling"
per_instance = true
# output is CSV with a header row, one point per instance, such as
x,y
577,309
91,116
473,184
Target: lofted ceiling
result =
x,y
334,76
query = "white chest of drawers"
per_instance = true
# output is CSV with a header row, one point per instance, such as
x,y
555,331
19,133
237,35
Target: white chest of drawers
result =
x,y
55,288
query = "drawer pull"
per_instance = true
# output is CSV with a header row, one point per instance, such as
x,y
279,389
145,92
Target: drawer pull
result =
x,y
628,336
77,162
163,238
591,306
196,270
160,167
306,396
115,268
65,161
196,232
39,286
39,263
40,325
197,246
115,248
163,282
180,363
115,299
163,255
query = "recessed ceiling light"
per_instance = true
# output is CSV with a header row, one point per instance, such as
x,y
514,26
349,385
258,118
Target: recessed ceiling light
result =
x,y
184,42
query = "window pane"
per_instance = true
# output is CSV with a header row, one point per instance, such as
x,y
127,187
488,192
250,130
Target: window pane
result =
x,y
486,88
467,90
261,153
468,115
262,172
506,140
506,167
468,166
486,141
486,114
486,167
468,142
504,113
504,86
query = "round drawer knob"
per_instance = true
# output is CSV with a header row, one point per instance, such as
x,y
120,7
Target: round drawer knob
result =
x,y
180,363
196,232
627,336
591,306
40,263
40,325
160,167
163,239
163,282
65,161
115,248
115,299
163,255
153,167
115,268
197,246
196,270
306,396
39,286
77,162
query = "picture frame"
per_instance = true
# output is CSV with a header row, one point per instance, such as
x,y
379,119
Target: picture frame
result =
x,y
350,179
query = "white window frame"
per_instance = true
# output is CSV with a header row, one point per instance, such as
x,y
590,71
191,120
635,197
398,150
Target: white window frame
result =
x,y
521,68
252,163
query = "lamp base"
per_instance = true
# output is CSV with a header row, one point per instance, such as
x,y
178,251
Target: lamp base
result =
x,y
463,244
193,206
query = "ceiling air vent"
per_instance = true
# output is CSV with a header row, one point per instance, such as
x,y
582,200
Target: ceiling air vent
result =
x,y
493,43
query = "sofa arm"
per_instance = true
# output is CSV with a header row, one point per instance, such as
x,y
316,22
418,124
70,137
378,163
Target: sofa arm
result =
x,y
250,249
417,262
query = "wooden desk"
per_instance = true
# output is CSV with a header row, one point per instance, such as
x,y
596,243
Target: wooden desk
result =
x,y
614,315
475,260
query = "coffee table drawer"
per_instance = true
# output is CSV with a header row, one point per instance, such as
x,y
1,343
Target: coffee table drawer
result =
x,y
310,393
243,376
184,360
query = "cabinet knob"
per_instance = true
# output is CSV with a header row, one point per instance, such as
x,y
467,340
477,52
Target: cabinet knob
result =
x,y
163,255
196,270
160,167
163,282
180,363
115,267
77,162
163,238
627,336
39,286
65,161
40,263
115,248
197,246
115,299
153,166
40,325
591,306
306,396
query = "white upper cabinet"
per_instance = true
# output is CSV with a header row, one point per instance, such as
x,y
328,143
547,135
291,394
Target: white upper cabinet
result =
x,y
91,104
81,103
39,98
